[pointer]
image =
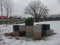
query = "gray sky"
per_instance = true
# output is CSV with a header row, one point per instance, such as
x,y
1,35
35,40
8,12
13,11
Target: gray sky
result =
x,y
53,5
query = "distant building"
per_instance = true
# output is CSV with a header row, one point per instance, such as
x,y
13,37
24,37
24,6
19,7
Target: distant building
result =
x,y
3,17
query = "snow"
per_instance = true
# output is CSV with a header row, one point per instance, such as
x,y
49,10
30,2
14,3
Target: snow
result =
x,y
51,40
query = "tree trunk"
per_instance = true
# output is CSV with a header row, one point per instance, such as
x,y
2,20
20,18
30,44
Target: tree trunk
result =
x,y
36,18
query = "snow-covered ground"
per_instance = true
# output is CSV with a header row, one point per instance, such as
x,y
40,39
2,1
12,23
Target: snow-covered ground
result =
x,y
51,40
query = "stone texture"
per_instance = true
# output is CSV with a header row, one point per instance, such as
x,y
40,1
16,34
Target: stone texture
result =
x,y
29,29
37,28
49,32
22,28
29,34
37,36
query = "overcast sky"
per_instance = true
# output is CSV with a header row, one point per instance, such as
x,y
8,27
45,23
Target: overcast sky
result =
x,y
53,5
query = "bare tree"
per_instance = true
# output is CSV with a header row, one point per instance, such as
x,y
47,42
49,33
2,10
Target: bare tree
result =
x,y
8,7
1,7
36,8
7,4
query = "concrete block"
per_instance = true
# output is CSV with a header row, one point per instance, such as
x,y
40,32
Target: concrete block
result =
x,y
29,28
49,32
37,28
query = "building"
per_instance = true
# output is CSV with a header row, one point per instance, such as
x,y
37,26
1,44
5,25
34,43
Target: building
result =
x,y
3,17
